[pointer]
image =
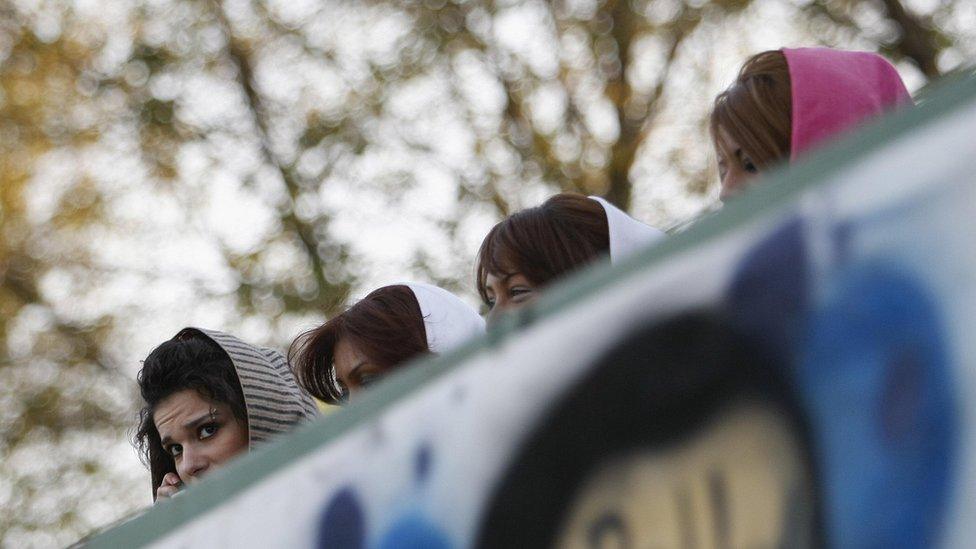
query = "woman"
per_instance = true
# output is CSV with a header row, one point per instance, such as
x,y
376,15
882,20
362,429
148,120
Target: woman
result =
x,y
377,335
789,101
537,246
209,397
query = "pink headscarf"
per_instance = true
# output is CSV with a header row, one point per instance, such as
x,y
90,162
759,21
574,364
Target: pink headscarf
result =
x,y
833,91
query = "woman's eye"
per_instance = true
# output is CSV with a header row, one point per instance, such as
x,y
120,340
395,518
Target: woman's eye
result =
x,y
368,379
208,430
343,392
518,292
175,450
748,166
490,302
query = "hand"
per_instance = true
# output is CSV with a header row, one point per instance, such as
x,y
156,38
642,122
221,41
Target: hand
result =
x,y
169,487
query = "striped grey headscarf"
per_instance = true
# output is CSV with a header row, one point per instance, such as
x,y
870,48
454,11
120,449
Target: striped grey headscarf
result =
x,y
274,401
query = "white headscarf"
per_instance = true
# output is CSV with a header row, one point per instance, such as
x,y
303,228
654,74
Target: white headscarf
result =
x,y
449,322
627,235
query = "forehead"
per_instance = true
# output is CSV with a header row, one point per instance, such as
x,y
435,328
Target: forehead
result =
x,y
179,407
726,143
501,251
493,279
345,354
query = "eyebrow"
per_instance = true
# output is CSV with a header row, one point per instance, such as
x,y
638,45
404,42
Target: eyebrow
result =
x,y
507,277
209,416
192,424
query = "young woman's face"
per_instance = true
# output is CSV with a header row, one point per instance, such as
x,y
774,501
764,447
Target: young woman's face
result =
x,y
507,292
354,370
735,168
200,435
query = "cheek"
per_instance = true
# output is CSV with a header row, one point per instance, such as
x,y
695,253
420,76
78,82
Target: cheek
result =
x,y
241,438
732,183
233,442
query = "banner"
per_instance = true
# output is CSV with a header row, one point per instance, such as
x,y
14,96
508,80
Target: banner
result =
x,y
795,370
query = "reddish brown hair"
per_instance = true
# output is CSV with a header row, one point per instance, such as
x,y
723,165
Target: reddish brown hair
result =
x,y
756,110
546,242
387,326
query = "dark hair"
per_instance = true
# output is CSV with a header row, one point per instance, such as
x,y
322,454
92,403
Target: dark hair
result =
x,y
656,388
387,326
756,110
546,242
189,361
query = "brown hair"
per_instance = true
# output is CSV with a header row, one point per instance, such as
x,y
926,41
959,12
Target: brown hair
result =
x,y
387,326
756,110
546,242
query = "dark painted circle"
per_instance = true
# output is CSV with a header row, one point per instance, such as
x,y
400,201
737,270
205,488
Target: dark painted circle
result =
x,y
422,461
342,524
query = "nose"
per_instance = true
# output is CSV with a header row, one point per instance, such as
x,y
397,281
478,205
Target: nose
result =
x,y
730,186
492,316
734,182
195,464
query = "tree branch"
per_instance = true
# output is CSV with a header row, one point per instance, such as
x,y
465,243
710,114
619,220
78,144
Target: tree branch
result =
x,y
918,40
634,130
239,54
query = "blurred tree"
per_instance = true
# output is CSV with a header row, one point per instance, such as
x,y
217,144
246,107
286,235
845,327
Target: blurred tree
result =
x,y
58,395
250,164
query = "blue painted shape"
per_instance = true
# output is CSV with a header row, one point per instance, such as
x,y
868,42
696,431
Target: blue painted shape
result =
x,y
769,292
343,524
876,378
414,531
422,461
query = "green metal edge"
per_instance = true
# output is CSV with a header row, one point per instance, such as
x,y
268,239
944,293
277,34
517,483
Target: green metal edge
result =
x,y
781,186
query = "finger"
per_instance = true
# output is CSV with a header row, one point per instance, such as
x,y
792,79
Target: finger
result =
x,y
165,491
172,479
